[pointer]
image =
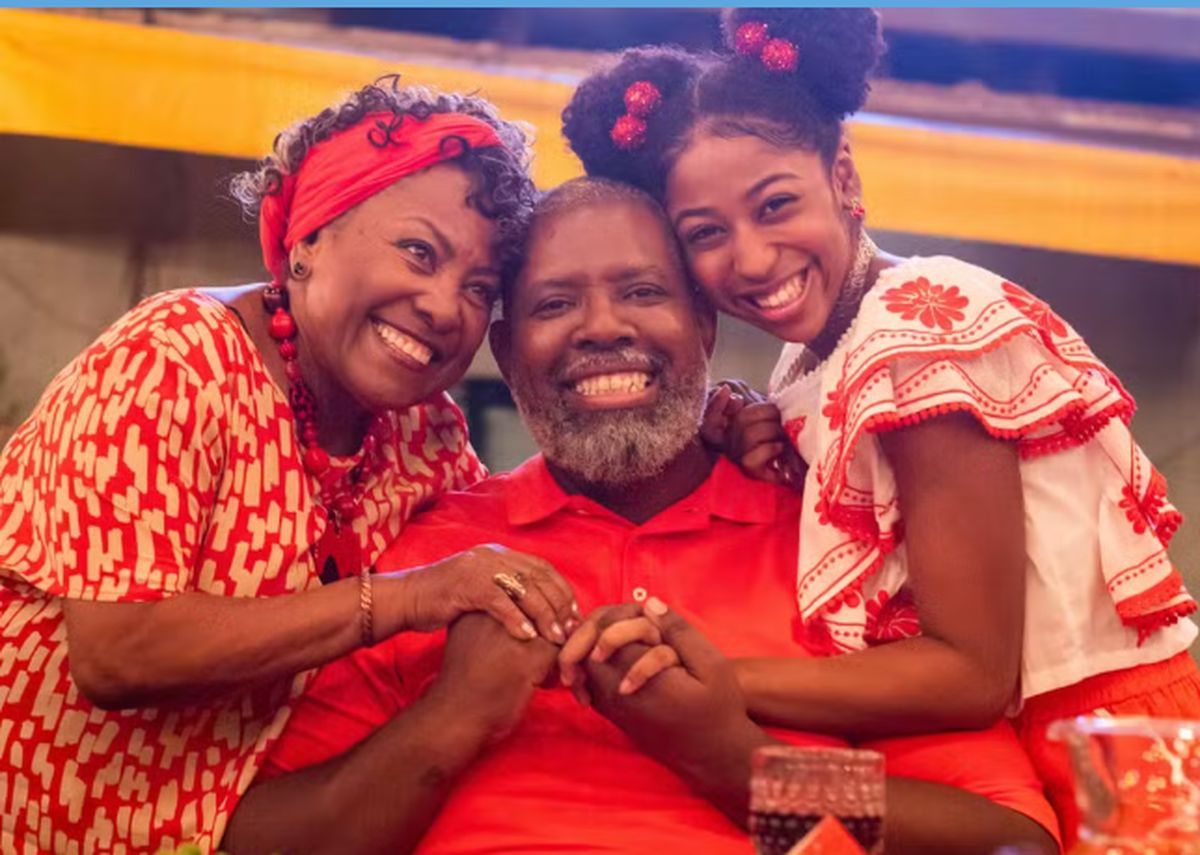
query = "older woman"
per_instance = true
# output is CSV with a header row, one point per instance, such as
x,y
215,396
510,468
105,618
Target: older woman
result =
x,y
170,510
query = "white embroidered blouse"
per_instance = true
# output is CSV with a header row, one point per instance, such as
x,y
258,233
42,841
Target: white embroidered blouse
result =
x,y
938,335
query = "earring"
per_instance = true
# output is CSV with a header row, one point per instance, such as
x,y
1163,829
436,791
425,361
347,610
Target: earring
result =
x,y
299,270
856,208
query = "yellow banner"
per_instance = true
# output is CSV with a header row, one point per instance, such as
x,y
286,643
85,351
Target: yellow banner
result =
x,y
103,81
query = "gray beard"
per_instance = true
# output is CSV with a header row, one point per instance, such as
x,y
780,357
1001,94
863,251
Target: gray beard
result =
x,y
616,448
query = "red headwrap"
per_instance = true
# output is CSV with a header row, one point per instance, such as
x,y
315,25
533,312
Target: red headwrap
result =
x,y
354,165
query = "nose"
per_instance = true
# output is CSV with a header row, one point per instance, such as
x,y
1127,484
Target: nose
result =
x,y
438,305
602,325
753,256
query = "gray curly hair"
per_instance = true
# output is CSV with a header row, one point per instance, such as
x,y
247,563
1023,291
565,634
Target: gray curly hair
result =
x,y
501,188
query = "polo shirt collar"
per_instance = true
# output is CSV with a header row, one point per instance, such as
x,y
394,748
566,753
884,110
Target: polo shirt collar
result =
x,y
532,495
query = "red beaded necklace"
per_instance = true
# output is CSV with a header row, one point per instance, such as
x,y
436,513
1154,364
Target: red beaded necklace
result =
x,y
340,492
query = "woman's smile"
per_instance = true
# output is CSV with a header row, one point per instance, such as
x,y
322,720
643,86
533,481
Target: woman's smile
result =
x,y
403,347
780,302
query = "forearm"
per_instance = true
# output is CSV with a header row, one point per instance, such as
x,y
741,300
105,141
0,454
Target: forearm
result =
x,y
719,770
918,685
196,646
924,818
380,796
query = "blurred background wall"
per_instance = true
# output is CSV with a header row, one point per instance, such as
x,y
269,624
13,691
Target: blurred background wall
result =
x,y
1059,147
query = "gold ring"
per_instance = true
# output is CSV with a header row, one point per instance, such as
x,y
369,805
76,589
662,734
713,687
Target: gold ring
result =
x,y
511,585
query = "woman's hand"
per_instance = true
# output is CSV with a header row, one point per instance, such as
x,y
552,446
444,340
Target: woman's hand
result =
x,y
748,429
726,398
691,718
603,633
539,601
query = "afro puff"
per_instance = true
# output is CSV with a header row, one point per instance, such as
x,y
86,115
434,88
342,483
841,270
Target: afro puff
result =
x,y
599,103
837,49
791,77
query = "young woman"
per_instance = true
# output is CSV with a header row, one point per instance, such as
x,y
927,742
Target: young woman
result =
x,y
981,532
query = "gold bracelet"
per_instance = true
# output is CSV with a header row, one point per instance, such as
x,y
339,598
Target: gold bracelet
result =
x,y
366,607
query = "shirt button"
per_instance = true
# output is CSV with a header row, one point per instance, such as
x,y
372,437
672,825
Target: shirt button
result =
x,y
639,595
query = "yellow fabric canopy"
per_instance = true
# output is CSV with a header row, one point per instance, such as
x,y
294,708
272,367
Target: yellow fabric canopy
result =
x,y
88,79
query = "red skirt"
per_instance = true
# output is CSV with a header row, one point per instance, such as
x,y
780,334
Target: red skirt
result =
x,y
1167,689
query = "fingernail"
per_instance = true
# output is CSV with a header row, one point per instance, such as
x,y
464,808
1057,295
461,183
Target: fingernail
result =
x,y
575,609
566,677
528,629
597,655
556,632
572,624
656,607
626,687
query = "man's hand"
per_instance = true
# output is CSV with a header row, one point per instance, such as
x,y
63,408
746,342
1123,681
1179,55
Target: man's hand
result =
x,y
691,717
381,795
489,672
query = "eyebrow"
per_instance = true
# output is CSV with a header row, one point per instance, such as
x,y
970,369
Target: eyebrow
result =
x,y
624,274
439,236
617,275
756,188
766,182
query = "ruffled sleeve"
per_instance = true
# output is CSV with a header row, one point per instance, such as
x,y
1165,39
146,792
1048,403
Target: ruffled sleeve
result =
x,y
937,336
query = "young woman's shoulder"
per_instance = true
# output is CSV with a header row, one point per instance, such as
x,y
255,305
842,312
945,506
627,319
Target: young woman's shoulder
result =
x,y
945,271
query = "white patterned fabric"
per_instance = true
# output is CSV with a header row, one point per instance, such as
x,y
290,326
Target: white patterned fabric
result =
x,y
936,336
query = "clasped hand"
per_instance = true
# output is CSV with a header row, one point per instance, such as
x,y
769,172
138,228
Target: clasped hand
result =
x,y
655,676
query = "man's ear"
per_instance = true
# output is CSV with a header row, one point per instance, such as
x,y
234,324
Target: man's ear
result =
x,y
500,339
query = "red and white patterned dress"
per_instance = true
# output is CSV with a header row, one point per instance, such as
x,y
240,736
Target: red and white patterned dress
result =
x,y
938,335
164,460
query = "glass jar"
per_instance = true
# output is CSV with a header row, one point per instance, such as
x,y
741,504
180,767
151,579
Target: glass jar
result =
x,y
792,789
1137,784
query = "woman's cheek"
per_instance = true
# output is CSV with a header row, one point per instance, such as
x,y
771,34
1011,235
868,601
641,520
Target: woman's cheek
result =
x,y
707,275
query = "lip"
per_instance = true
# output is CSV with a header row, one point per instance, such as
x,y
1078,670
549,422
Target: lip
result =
x,y
787,311
611,400
400,356
598,369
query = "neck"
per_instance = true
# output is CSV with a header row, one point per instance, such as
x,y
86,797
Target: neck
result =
x,y
639,501
341,421
848,303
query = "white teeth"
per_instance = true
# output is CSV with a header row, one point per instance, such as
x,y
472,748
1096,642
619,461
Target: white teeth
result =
x,y
604,384
786,293
406,344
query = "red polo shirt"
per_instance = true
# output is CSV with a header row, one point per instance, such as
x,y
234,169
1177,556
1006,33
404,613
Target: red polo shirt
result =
x,y
567,780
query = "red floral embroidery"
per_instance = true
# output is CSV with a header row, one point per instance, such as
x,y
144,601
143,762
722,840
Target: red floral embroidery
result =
x,y
822,509
934,305
1036,310
1147,513
835,409
1133,509
891,617
794,427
